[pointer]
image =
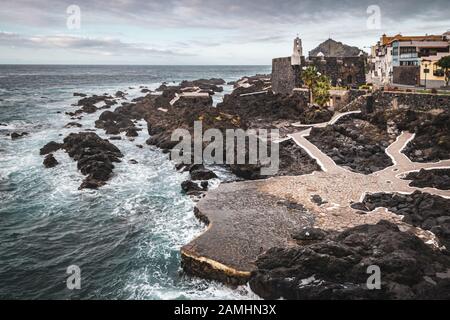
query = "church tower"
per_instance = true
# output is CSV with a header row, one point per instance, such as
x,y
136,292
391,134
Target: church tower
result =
x,y
298,52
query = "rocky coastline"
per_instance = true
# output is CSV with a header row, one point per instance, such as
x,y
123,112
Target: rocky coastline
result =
x,y
283,233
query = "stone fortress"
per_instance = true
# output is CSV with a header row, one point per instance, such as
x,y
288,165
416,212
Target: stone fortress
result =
x,y
343,70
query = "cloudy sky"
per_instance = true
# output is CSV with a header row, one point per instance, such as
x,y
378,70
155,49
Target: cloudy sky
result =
x,y
199,31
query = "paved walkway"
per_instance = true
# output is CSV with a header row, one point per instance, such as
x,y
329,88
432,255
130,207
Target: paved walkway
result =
x,y
337,116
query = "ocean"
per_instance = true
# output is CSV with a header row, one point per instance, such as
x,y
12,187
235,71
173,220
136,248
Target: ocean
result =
x,y
125,237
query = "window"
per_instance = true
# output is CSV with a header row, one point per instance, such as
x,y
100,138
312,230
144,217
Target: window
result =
x,y
409,63
437,71
407,50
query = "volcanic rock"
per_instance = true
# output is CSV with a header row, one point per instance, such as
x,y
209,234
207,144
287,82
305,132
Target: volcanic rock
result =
x,y
191,188
95,157
50,161
429,212
337,267
17,135
50,147
439,179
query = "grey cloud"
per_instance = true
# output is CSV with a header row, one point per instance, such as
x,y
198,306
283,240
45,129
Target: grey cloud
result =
x,y
83,45
221,13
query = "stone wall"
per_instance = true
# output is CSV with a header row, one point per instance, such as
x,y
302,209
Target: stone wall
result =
x,y
416,101
407,75
285,77
347,71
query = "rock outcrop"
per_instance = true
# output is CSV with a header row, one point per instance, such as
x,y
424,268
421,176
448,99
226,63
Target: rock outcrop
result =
x,y
50,161
50,147
439,179
337,267
354,143
17,135
94,155
429,212
265,108
294,161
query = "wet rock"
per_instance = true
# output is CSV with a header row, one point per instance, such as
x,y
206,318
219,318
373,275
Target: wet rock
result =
x,y
140,146
336,267
122,119
204,185
120,94
76,94
132,132
50,147
201,173
115,138
191,188
132,161
94,155
73,125
17,135
50,161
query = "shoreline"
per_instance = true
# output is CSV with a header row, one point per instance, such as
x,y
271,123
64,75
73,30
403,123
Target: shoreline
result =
x,y
288,202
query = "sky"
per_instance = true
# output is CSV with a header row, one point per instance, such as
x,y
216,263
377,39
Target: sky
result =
x,y
200,32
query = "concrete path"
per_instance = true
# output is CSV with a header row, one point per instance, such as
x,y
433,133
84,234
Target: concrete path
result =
x,y
337,116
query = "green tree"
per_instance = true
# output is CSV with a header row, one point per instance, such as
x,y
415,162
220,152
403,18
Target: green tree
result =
x,y
318,85
321,91
309,78
444,63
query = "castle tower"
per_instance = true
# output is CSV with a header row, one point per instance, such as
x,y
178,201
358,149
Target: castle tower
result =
x,y
298,52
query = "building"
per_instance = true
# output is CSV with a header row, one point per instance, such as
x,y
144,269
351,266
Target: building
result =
x,y
343,71
410,60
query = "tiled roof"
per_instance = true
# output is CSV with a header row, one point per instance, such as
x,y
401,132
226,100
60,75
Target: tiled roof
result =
x,y
385,40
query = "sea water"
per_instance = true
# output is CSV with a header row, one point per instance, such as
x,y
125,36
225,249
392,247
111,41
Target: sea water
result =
x,y
125,237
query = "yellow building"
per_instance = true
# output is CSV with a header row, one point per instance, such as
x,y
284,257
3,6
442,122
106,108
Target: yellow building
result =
x,y
435,76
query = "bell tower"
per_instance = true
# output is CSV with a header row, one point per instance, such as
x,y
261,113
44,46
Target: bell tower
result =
x,y
297,53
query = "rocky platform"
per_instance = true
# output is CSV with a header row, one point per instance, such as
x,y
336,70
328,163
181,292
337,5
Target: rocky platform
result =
x,y
267,221
245,219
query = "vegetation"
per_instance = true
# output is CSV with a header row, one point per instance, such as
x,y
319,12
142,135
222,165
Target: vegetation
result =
x,y
318,85
444,63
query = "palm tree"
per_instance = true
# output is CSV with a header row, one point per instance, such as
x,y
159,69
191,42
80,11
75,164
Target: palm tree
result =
x,y
444,63
309,77
318,85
